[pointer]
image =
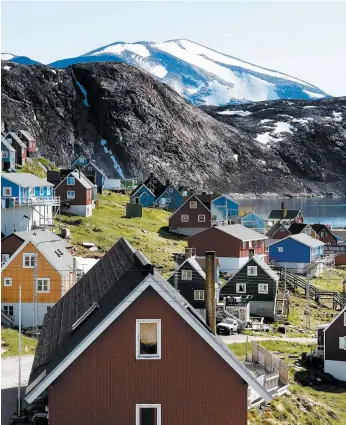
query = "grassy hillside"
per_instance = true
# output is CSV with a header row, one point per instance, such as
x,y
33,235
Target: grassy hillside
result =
x,y
108,223
304,404
9,342
34,167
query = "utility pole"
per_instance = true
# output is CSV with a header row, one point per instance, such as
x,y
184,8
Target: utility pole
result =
x,y
210,298
19,403
307,311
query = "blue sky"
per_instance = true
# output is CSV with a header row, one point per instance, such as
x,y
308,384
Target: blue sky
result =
x,y
303,39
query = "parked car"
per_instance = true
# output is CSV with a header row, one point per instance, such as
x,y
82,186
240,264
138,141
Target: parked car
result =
x,y
227,327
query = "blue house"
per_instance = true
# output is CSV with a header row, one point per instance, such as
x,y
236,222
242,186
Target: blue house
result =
x,y
170,198
8,155
299,253
142,195
253,221
223,208
80,161
95,175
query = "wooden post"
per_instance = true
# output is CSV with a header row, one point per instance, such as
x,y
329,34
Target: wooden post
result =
x,y
210,290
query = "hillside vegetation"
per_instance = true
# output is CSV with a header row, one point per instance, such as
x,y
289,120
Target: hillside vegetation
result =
x,y
108,223
9,343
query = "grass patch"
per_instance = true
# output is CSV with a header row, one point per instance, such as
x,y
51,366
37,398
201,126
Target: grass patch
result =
x,y
32,169
108,223
330,280
9,339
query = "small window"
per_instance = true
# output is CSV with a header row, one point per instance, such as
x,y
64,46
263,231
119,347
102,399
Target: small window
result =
x,y
136,200
241,288
308,230
7,191
342,342
43,285
198,295
48,190
170,190
256,244
148,339
148,414
90,168
7,281
154,181
31,191
201,218
263,288
250,244
8,309
186,274
4,258
184,192
29,260
193,205
71,194
280,249
41,191
184,218
244,245
70,181
252,270
4,154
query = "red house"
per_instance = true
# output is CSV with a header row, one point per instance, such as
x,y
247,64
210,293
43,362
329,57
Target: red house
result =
x,y
124,347
29,141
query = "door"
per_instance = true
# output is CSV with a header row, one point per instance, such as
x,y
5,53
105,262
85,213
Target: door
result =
x,y
148,414
145,200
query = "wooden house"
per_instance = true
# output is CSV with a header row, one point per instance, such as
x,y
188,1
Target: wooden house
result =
x,y
76,194
286,215
154,185
296,228
224,207
142,195
326,235
335,347
140,341
191,218
57,176
253,221
27,202
95,175
79,162
54,275
29,141
19,146
170,198
233,244
8,155
278,231
257,280
300,253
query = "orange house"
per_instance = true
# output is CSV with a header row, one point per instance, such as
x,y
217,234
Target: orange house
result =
x,y
43,261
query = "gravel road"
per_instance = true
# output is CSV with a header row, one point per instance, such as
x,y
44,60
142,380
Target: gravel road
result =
x,y
9,383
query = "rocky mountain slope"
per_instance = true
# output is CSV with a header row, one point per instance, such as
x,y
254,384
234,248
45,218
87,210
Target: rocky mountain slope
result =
x,y
199,74
131,123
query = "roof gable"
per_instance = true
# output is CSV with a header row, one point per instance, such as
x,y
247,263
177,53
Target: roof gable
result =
x,y
301,238
6,145
27,135
16,139
81,178
95,167
265,267
241,232
191,198
343,311
280,214
142,187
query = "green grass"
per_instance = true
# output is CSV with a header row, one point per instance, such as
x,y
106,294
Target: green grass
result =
x,y
330,280
108,223
32,169
9,338
303,405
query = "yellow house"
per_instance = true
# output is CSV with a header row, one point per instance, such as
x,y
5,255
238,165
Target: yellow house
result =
x,y
41,260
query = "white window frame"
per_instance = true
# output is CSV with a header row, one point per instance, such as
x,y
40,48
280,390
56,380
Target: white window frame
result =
x,y
308,230
148,356
71,178
154,181
198,294
9,189
186,216
342,342
280,249
7,281
250,244
252,270
344,319
31,191
244,245
237,288
7,312
4,258
186,275
148,406
43,291
70,196
30,255
193,205
201,218
263,290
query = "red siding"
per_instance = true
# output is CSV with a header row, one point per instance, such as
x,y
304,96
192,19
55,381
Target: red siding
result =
x,y
191,381
81,193
175,220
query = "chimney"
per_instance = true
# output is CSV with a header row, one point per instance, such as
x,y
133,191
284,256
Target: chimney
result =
x,y
188,253
151,175
210,297
282,205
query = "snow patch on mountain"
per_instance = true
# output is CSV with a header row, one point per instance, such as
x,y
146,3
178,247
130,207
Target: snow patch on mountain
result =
x,y
337,116
240,113
313,95
118,49
7,56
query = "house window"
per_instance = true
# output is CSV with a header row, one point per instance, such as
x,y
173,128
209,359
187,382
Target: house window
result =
x,y
154,181
280,249
323,234
70,181
7,191
308,230
241,288
136,200
186,274
201,218
8,309
31,191
342,342
184,218
252,270
148,414
198,295
71,194
255,244
4,258
43,285
148,338
90,168
193,205
7,281
170,190
29,260
263,288
244,245
250,244
48,190
4,154
41,191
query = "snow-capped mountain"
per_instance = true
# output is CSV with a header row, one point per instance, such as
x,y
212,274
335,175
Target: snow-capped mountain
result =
x,y
23,60
202,75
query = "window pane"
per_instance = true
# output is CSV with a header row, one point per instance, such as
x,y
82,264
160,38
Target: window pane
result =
x,y
148,338
148,416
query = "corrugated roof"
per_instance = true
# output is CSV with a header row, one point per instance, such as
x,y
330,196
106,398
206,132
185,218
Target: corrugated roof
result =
x,y
27,135
7,144
14,136
241,232
280,214
26,180
82,178
307,240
